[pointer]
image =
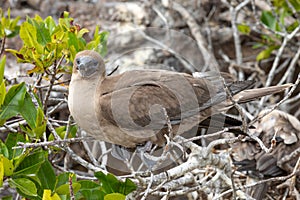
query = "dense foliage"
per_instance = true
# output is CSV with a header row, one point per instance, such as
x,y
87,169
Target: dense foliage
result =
x,y
50,47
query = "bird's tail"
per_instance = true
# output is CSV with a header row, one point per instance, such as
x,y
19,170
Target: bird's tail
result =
x,y
251,94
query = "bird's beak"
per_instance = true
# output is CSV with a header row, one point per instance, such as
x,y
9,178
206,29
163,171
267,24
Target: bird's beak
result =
x,y
86,66
79,66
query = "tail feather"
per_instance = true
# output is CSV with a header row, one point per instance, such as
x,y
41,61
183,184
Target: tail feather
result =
x,y
251,94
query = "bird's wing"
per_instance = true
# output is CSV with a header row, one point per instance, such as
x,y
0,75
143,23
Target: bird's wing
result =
x,y
137,98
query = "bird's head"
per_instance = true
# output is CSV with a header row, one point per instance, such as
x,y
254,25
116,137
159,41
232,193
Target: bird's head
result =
x,y
88,64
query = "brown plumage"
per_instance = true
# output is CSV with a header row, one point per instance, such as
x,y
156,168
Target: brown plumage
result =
x,y
128,109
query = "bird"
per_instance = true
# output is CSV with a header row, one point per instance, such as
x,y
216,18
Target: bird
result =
x,y
135,107
279,130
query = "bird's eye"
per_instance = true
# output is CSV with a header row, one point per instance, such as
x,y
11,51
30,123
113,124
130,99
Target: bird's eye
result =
x,y
77,61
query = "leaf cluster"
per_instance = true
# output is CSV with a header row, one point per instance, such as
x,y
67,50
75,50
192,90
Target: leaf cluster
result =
x,y
8,27
50,47
45,42
281,20
33,176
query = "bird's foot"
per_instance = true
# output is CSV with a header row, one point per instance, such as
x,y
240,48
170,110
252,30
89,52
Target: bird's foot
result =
x,y
144,148
120,152
153,162
145,153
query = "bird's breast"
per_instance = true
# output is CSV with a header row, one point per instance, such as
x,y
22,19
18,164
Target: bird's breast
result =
x,y
82,106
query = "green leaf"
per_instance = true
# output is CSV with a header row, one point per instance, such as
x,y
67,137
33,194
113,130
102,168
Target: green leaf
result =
x,y
115,196
2,66
102,49
73,131
96,33
296,4
40,123
3,149
99,43
282,15
13,28
43,35
2,93
66,14
268,19
63,178
16,101
8,26
11,141
265,53
50,24
107,182
24,186
8,166
258,45
19,55
61,131
86,184
293,26
36,181
29,112
82,32
31,163
243,28
72,40
47,176
63,184
14,23
91,190
13,102
2,83
7,198
28,35
110,184
128,187
92,194
65,189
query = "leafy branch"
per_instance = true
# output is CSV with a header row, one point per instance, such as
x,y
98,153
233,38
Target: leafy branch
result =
x,y
50,47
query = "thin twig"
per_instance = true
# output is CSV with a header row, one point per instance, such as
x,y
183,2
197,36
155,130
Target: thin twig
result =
x,y
56,143
286,97
289,70
54,84
72,153
182,60
293,178
72,197
89,153
237,43
209,58
11,125
277,59
52,81
238,107
56,107
2,47
148,188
